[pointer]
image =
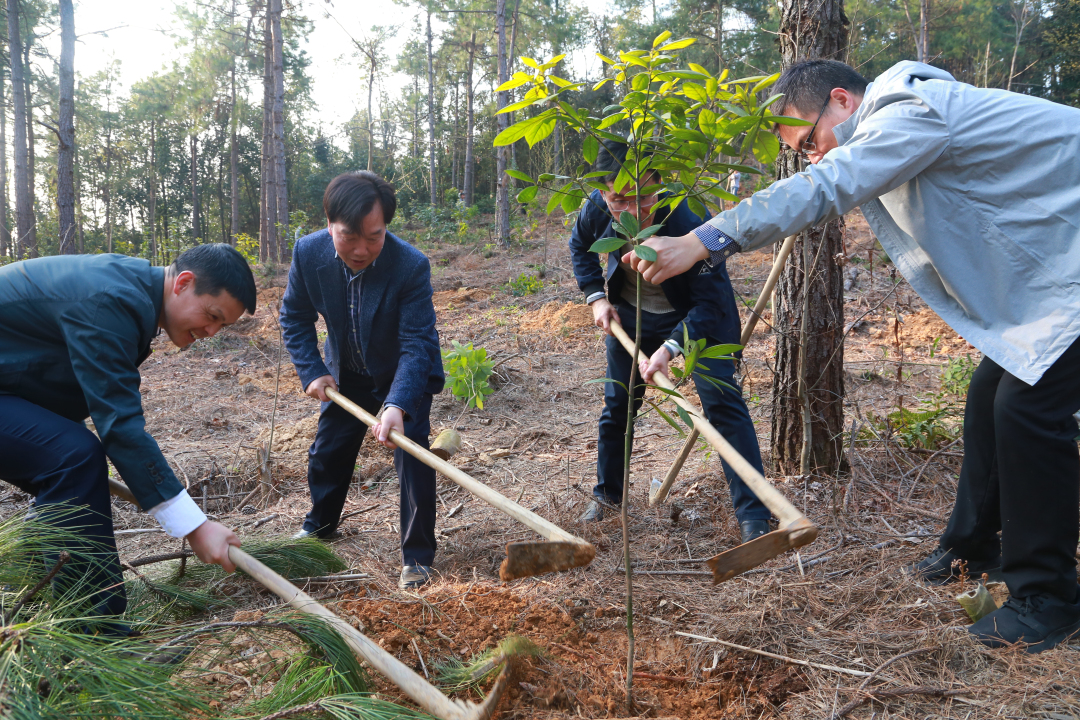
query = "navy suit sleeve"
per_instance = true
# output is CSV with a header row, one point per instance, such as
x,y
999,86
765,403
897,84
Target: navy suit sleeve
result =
x,y
104,352
298,318
588,271
418,338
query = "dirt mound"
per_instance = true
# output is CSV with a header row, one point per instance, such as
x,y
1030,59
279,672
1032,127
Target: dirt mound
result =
x,y
292,438
919,331
583,649
462,296
555,315
266,380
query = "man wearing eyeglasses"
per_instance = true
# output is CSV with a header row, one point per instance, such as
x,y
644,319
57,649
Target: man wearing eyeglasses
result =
x,y
701,299
975,195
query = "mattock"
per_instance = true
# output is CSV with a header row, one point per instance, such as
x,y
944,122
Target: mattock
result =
x,y
795,529
563,551
759,307
423,693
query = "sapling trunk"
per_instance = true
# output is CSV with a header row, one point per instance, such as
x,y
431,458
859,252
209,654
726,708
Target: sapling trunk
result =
x,y
627,450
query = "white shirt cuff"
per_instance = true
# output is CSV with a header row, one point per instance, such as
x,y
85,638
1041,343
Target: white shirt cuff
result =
x,y
673,348
179,515
594,297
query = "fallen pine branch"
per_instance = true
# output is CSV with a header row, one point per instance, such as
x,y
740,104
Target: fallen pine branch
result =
x,y
785,658
871,695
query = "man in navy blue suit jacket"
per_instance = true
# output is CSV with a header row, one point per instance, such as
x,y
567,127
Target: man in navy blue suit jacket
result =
x,y
701,299
382,350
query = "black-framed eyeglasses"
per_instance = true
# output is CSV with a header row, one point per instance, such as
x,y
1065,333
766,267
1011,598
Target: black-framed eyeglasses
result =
x,y
808,145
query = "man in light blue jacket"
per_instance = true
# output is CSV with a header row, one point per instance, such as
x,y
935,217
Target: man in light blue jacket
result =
x,y
975,195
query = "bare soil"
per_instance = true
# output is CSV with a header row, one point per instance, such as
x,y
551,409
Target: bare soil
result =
x,y
842,602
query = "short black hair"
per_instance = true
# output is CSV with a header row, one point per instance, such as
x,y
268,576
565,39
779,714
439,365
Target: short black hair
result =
x,y
219,267
807,83
350,197
610,159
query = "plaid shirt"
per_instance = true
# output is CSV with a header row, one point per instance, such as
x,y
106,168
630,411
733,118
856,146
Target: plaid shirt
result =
x,y
354,285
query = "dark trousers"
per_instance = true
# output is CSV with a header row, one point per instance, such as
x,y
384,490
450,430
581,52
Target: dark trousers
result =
x,y
1021,477
725,409
62,464
332,458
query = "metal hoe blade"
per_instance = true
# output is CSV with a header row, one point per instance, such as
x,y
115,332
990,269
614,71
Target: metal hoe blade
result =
x,y
749,555
525,559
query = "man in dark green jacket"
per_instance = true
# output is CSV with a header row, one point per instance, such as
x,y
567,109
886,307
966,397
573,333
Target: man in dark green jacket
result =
x,y
73,332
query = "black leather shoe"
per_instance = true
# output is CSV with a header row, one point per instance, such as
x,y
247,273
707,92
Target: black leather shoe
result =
x,y
1039,623
413,576
942,567
753,529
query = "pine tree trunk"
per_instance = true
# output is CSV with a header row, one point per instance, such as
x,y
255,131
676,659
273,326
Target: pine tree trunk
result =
x,y
432,149
267,192
196,206
808,386
108,189
234,163
65,170
454,137
31,155
469,171
281,216
5,231
370,120
502,192
24,212
153,191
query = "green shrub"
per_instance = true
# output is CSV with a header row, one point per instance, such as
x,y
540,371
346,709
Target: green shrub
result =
x,y
468,370
956,376
524,284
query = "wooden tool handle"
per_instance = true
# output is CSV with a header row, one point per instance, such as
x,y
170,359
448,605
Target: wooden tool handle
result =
x,y
423,693
763,298
501,502
673,472
784,510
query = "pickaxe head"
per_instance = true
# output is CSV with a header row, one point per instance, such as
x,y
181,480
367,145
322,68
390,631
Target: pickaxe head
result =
x,y
749,555
525,559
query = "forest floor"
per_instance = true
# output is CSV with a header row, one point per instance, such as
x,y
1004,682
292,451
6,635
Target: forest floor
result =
x,y
844,602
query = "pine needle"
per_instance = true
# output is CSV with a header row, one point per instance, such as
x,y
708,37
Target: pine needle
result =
x,y
454,675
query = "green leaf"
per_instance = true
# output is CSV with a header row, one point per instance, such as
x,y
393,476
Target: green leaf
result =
x,y
645,253
556,199
518,175
606,245
606,59
695,92
606,380
766,147
571,202
512,134
785,120
530,62
629,222
717,351
513,107
697,68
590,148
667,418
601,84
540,130
661,38
528,194
666,391
678,44
685,416
640,82
519,79
648,232
707,121
765,82
719,384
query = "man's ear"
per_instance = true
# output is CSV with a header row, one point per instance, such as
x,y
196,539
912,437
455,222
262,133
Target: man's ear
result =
x,y
183,281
